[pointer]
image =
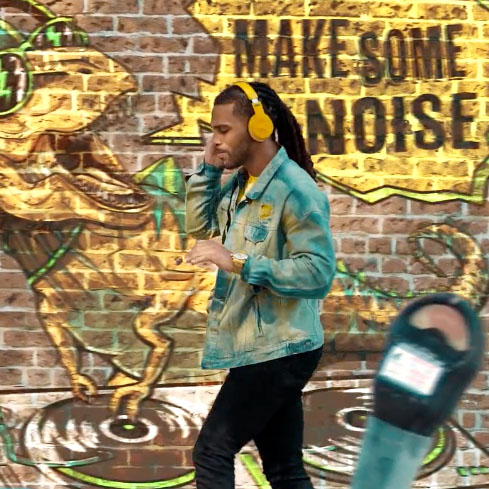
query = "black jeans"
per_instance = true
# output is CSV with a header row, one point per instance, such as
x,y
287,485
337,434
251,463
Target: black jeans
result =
x,y
261,402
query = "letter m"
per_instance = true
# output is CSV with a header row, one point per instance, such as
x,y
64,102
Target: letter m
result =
x,y
252,49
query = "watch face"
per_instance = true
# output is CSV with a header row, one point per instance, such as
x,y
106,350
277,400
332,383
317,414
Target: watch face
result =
x,y
240,256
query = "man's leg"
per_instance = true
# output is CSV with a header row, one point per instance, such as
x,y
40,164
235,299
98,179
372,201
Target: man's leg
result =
x,y
248,399
280,448
280,442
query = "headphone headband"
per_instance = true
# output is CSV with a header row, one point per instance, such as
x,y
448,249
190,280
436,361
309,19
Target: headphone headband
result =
x,y
249,92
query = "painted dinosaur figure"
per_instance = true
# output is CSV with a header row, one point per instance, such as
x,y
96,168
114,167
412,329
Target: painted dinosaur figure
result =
x,y
357,313
79,227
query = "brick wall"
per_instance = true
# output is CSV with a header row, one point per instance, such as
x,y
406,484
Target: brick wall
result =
x,y
414,177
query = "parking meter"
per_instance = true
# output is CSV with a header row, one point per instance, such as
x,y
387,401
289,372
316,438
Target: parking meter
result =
x,y
434,349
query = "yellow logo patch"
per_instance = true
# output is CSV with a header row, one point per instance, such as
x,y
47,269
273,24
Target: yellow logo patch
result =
x,y
265,211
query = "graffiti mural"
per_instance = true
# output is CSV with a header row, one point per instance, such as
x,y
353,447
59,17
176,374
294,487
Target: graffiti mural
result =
x,y
375,99
392,99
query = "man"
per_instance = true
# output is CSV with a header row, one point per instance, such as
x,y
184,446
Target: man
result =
x,y
275,265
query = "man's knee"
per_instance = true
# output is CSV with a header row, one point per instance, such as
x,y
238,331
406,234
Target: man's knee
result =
x,y
202,450
209,447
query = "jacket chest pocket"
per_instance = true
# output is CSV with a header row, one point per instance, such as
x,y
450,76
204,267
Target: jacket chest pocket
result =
x,y
255,236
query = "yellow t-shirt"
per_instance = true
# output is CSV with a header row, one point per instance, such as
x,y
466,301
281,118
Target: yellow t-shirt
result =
x,y
247,188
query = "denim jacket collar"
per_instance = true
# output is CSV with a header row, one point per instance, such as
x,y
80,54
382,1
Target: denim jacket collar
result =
x,y
266,175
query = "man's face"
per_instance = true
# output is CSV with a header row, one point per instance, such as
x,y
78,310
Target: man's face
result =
x,y
232,143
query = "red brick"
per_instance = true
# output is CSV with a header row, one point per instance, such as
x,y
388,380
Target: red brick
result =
x,y
185,85
482,437
67,7
393,205
22,22
46,357
354,224
152,123
481,382
352,245
140,63
203,66
21,319
205,45
114,44
479,210
361,264
433,248
392,284
95,24
164,7
38,377
61,378
341,205
113,6
436,208
154,83
163,45
450,266
393,265
145,103
417,267
16,358
430,283
484,244
17,298
466,419
153,25
11,377
166,103
401,225
124,142
477,227
380,245
16,338
12,280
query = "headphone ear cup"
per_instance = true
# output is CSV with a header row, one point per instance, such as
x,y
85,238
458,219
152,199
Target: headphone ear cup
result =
x,y
260,127
15,81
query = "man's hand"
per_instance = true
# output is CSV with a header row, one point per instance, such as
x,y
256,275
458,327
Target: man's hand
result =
x,y
210,252
211,157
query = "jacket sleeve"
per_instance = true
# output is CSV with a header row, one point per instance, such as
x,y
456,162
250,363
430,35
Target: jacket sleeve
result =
x,y
202,198
309,268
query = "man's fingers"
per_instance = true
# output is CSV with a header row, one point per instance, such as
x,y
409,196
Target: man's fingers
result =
x,y
198,260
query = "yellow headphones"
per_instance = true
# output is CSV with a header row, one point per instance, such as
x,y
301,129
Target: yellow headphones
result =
x,y
260,126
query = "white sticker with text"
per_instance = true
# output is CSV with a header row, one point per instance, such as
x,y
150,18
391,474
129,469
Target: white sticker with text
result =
x,y
409,369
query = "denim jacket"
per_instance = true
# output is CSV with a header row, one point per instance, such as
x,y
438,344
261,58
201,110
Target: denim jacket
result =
x,y
272,308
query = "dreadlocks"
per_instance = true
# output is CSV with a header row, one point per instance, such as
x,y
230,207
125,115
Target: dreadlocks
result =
x,y
288,130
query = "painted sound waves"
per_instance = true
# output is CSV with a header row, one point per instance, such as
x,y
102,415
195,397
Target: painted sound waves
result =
x,y
152,451
334,427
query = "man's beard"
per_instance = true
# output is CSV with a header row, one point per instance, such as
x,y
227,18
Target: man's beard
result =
x,y
238,158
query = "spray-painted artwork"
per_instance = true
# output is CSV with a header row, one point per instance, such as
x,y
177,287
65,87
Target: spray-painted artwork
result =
x,y
392,100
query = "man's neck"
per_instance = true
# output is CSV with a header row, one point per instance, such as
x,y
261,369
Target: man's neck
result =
x,y
261,157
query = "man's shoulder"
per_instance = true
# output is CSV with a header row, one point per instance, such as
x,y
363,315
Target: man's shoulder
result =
x,y
291,168
297,179
303,194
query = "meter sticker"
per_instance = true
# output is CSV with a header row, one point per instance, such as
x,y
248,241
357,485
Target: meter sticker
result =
x,y
411,370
